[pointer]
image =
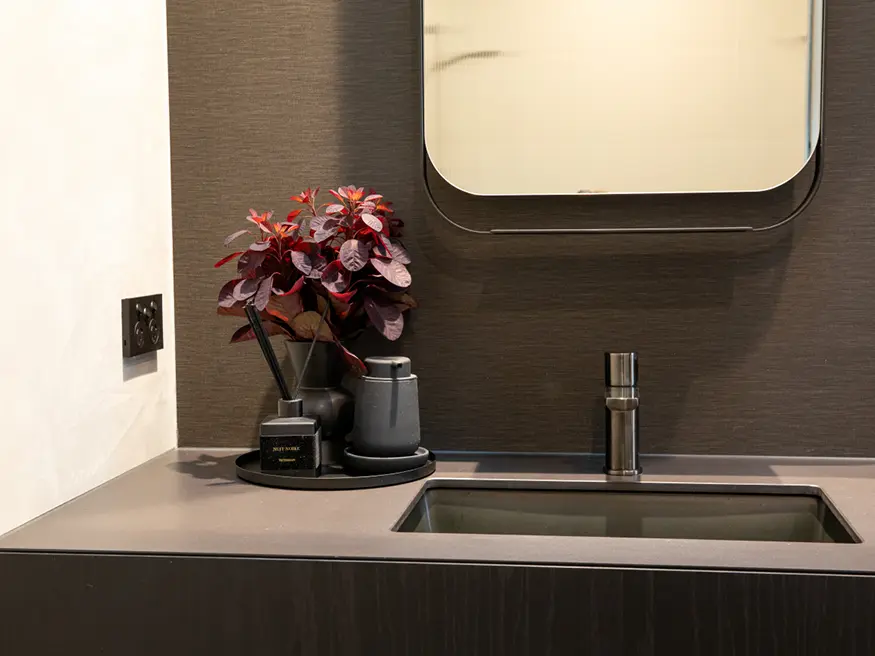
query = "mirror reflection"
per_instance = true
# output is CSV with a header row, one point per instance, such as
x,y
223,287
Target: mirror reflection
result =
x,y
608,97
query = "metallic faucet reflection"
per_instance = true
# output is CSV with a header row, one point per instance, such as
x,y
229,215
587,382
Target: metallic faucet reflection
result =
x,y
621,414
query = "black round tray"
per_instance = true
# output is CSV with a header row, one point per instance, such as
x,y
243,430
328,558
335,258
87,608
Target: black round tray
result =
x,y
334,478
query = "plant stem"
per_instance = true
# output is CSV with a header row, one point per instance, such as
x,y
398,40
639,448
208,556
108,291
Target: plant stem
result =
x,y
310,352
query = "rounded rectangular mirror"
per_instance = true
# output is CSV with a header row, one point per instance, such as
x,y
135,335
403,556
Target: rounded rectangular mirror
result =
x,y
637,97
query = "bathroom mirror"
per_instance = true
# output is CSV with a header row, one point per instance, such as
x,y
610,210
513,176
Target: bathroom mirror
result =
x,y
562,97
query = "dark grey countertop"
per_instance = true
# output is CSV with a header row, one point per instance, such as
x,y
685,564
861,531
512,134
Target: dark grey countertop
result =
x,y
189,502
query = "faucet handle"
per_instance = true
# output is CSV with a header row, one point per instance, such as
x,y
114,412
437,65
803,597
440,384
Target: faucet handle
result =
x,y
621,369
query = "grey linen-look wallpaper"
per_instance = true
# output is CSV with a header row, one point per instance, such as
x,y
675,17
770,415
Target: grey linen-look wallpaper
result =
x,y
747,346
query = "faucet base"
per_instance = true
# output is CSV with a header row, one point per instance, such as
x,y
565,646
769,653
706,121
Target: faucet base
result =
x,y
623,472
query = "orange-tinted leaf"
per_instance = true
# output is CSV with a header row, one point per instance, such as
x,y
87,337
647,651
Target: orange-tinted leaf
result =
x,y
235,310
403,300
264,228
285,308
308,325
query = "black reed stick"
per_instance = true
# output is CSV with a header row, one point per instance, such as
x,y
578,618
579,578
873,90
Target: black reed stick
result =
x,y
268,352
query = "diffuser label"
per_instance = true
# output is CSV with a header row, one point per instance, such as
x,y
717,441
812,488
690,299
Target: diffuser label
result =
x,y
292,453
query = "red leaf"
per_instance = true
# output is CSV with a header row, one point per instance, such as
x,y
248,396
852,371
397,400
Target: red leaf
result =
x,y
249,262
262,296
244,333
299,283
317,222
396,251
380,248
228,258
293,215
356,366
235,235
302,262
353,193
335,277
344,297
261,245
336,195
386,318
354,254
372,222
319,263
327,230
226,294
393,271
245,289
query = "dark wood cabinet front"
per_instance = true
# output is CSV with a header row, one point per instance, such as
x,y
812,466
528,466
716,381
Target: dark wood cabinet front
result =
x,y
166,605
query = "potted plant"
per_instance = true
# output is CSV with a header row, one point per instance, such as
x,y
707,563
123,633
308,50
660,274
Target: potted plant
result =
x,y
324,275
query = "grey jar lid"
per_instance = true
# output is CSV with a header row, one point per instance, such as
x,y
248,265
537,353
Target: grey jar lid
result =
x,y
389,367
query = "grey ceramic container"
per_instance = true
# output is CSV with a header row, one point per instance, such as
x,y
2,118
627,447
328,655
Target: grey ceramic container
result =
x,y
386,410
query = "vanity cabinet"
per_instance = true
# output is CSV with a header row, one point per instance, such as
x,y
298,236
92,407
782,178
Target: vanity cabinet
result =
x,y
149,605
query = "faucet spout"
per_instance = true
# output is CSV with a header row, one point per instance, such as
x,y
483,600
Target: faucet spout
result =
x,y
621,414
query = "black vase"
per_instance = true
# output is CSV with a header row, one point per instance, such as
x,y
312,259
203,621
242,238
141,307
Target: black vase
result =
x,y
323,394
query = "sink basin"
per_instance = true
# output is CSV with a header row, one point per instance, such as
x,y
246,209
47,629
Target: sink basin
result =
x,y
782,513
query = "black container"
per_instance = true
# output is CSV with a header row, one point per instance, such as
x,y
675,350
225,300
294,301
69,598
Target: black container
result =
x,y
291,444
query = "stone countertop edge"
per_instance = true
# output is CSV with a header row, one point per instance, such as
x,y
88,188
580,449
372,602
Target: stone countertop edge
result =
x,y
189,502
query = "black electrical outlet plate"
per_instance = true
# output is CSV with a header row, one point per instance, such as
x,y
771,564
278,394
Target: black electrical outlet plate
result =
x,y
142,325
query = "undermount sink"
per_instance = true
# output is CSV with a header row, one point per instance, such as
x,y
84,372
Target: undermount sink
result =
x,y
782,513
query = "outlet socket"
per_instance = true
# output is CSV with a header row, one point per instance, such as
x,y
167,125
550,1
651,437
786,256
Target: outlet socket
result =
x,y
142,325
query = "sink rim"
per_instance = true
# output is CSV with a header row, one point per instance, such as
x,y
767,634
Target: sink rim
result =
x,y
629,486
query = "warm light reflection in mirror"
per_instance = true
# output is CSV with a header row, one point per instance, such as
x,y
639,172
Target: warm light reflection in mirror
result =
x,y
631,96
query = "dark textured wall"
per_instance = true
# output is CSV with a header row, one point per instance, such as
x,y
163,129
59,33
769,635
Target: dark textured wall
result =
x,y
756,346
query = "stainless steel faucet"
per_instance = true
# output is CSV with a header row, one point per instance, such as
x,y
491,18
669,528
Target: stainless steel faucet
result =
x,y
621,414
